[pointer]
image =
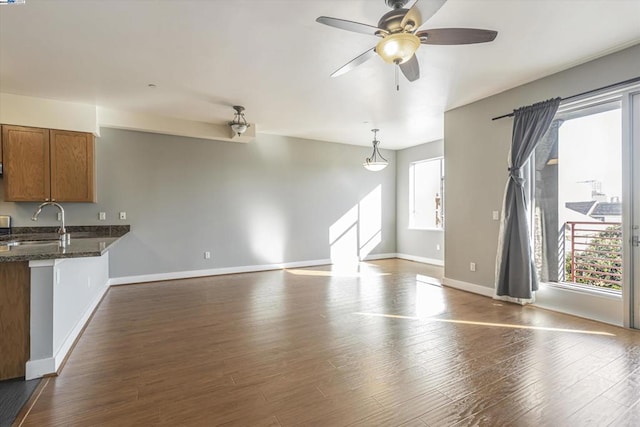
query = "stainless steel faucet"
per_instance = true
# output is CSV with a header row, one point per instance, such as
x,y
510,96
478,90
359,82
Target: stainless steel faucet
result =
x,y
64,237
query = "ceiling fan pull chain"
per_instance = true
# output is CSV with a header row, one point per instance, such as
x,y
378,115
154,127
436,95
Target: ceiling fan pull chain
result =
x,y
397,79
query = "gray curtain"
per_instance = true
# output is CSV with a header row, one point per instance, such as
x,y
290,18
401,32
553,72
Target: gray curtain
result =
x,y
515,268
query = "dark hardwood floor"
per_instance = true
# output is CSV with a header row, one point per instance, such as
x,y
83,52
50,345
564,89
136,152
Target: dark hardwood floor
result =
x,y
382,346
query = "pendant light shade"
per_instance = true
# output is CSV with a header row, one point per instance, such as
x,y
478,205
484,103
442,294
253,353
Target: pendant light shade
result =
x,y
376,162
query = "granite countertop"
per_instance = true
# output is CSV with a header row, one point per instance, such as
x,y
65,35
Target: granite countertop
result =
x,y
86,241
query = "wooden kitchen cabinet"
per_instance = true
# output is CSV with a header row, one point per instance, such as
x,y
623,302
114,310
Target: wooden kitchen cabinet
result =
x,y
48,165
72,166
25,163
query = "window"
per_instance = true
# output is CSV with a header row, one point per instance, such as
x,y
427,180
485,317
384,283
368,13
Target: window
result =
x,y
426,194
578,198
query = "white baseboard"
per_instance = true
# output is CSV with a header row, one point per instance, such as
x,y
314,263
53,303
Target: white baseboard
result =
x,y
469,287
127,280
188,274
373,257
423,260
39,367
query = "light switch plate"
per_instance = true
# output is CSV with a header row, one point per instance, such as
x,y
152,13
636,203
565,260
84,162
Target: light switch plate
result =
x,y
102,216
123,215
496,215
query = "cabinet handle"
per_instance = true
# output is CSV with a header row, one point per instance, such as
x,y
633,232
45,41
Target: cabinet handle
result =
x,y
53,200
46,200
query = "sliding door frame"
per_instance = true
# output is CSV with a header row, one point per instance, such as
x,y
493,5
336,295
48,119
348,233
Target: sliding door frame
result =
x,y
631,212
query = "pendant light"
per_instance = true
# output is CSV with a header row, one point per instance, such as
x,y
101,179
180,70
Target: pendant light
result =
x,y
376,162
239,124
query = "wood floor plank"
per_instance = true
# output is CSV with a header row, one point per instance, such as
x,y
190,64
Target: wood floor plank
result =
x,y
630,418
559,402
328,347
406,412
626,392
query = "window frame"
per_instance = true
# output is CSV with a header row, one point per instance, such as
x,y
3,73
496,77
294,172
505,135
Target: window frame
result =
x,y
567,111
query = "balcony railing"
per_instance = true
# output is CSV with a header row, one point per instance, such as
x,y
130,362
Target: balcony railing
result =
x,y
596,253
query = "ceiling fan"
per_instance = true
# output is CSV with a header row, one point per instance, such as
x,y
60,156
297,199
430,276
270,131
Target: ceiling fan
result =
x,y
400,38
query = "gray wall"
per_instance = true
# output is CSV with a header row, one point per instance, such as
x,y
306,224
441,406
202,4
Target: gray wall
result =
x,y
270,201
476,159
417,243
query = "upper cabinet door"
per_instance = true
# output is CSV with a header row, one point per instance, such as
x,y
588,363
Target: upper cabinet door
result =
x,y
26,164
72,166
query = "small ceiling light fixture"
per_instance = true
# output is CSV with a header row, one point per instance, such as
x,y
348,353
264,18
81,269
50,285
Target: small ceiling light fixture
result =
x,y
239,124
376,162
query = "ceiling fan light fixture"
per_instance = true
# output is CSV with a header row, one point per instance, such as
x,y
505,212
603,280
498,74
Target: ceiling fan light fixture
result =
x,y
239,124
376,162
398,48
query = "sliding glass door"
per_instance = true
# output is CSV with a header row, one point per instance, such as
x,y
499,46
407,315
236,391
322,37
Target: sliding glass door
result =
x,y
586,210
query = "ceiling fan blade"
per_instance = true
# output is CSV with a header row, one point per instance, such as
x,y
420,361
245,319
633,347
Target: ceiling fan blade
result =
x,y
449,36
411,69
420,12
358,60
349,25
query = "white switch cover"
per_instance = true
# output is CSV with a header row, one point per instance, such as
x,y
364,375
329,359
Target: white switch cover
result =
x,y
472,266
59,216
102,216
496,215
123,215
207,255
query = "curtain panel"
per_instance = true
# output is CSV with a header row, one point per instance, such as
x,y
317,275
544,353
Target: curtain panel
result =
x,y
515,268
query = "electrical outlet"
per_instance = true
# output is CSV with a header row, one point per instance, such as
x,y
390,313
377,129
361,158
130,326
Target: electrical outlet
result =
x,y
496,215
207,255
123,215
472,266
59,216
102,216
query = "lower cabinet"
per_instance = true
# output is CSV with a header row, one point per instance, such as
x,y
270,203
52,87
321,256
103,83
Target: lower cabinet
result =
x,y
14,318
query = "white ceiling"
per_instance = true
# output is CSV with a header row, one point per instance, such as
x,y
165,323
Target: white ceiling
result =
x,y
273,58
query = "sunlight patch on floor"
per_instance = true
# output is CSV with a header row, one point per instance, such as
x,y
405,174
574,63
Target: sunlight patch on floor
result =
x,y
496,325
